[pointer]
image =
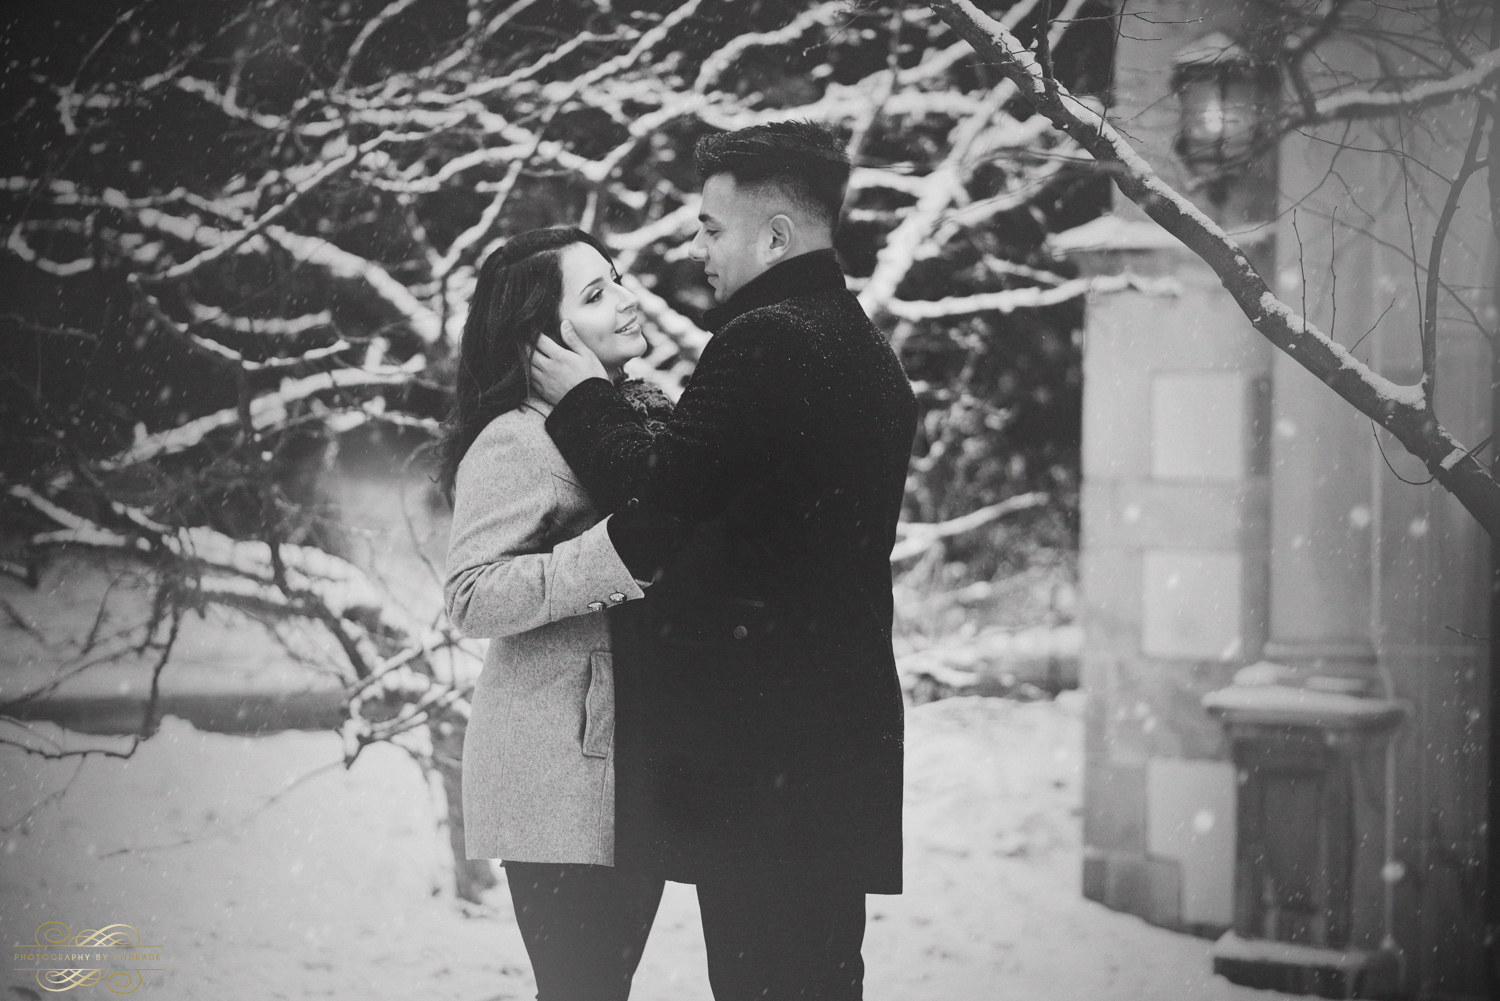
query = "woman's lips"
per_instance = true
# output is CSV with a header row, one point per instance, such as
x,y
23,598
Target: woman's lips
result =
x,y
633,327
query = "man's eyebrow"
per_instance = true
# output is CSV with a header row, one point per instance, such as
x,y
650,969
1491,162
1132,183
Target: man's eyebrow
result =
x,y
705,217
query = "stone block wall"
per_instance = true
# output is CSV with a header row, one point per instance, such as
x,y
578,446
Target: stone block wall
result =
x,y
1174,582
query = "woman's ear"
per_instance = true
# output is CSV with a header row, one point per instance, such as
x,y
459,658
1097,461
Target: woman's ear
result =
x,y
569,337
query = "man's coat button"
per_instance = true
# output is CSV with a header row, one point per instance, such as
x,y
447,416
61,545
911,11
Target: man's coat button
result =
x,y
740,632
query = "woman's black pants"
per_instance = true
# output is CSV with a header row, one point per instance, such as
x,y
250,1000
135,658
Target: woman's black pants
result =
x,y
584,926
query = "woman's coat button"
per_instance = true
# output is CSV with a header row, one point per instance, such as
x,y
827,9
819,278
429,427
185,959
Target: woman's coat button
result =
x,y
596,606
617,597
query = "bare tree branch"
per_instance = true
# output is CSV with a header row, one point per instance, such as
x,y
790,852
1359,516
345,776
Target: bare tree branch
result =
x,y
1466,170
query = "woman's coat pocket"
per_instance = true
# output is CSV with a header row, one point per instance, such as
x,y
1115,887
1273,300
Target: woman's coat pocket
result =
x,y
599,706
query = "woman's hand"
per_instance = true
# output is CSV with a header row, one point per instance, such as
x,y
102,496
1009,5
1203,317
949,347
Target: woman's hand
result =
x,y
557,368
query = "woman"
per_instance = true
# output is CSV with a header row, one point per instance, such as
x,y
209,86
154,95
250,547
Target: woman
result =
x,y
530,566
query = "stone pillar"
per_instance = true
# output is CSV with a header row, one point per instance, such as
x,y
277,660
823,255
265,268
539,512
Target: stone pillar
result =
x,y
1323,508
1175,516
1173,569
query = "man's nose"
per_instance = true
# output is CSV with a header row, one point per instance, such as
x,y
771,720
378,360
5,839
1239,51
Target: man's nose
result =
x,y
697,250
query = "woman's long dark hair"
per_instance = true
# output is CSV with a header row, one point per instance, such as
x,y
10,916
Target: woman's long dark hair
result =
x,y
515,301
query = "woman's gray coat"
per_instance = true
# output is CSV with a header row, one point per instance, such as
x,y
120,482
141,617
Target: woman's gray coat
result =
x,y
531,568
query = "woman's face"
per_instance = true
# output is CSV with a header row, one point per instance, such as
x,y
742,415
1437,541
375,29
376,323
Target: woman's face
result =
x,y
602,311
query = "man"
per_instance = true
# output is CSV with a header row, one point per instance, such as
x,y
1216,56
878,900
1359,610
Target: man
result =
x,y
759,742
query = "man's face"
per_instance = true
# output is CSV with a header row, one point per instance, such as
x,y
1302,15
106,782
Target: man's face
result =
x,y
732,226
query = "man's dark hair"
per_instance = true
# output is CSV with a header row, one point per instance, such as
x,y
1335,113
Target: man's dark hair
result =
x,y
806,160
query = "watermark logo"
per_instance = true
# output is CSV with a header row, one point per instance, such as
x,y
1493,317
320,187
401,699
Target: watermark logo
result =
x,y
64,960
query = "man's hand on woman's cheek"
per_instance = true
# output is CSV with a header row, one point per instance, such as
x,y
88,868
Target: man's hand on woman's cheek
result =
x,y
557,368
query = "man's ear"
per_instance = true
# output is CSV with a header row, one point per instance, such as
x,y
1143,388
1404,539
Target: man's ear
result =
x,y
780,231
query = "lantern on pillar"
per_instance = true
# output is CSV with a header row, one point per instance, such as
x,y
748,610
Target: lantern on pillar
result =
x,y
1221,92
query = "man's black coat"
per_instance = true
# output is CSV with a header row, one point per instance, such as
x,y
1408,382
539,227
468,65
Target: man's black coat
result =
x,y
759,717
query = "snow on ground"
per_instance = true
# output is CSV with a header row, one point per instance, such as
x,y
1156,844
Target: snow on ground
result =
x,y
338,887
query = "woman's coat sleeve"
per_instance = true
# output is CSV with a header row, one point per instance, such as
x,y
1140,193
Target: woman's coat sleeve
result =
x,y
503,577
